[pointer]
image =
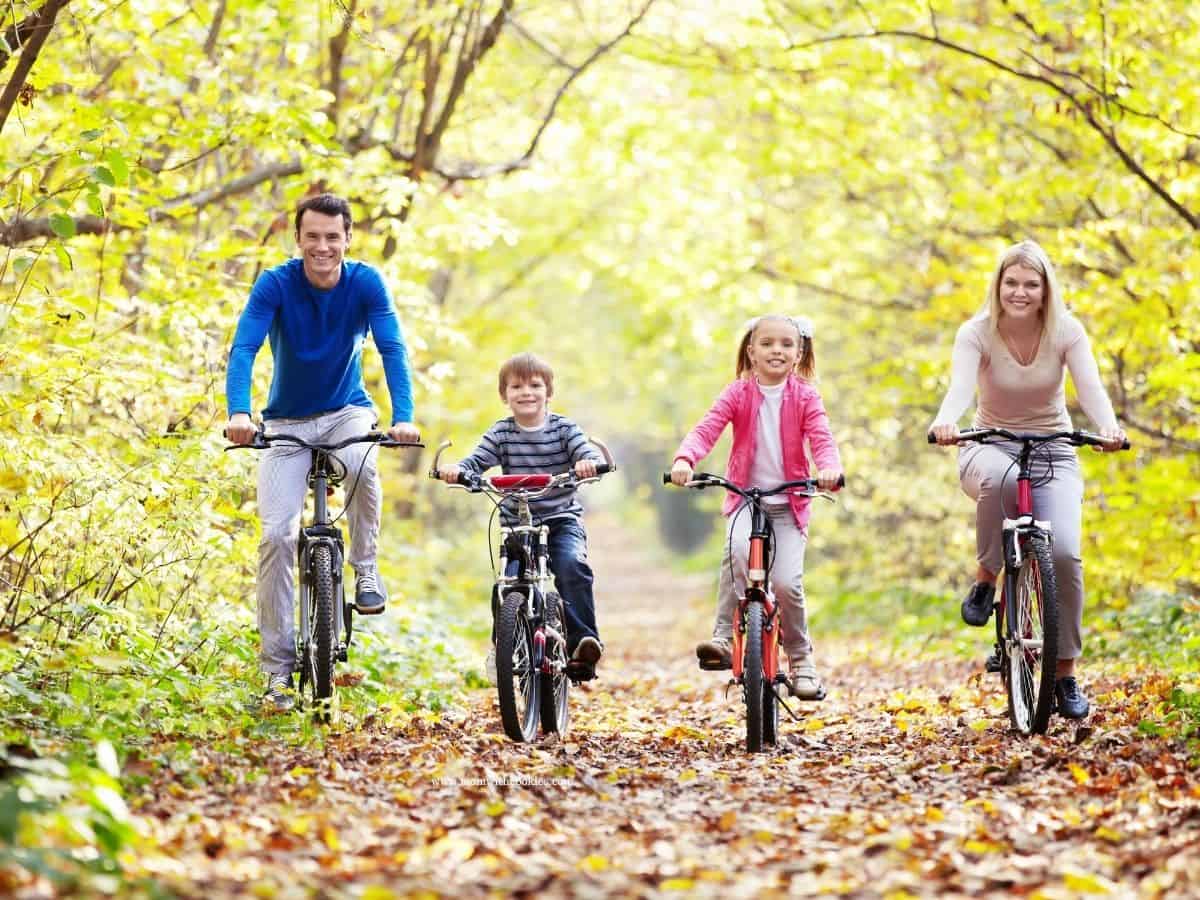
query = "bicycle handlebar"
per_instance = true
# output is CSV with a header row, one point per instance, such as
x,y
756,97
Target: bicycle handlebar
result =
x,y
1075,438
262,441
701,480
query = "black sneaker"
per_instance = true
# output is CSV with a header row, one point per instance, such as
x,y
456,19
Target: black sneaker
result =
x,y
1070,703
992,663
977,607
368,597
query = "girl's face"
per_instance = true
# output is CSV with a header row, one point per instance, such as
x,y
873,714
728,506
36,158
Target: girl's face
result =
x,y
774,350
1022,293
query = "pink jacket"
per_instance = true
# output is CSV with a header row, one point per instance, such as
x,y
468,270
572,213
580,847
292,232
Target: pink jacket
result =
x,y
802,418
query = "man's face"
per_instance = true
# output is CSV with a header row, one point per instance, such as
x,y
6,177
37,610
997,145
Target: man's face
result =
x,y
322,240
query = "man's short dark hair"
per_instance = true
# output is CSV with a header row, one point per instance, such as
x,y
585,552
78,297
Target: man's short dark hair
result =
x,y
326,204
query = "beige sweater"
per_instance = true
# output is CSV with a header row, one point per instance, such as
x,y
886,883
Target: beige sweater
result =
x,y
1024,398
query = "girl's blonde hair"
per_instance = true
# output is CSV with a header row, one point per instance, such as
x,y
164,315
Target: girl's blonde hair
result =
x,y
806,365
1031,255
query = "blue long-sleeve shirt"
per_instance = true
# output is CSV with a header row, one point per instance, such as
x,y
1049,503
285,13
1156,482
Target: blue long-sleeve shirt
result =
x,y
316,340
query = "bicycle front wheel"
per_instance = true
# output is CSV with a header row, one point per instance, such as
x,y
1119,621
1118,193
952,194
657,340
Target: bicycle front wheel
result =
x,y
556,686
752,677
322,641
517,683
1031,637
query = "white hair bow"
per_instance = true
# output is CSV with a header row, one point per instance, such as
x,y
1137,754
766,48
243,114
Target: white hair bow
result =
x,y
803,325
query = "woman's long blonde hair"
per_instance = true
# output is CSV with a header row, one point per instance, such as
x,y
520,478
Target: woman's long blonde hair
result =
x,y
806,365
1027,253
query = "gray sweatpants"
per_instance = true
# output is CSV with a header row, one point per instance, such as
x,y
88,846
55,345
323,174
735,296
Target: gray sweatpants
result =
x,y
988,474
282,489
787,577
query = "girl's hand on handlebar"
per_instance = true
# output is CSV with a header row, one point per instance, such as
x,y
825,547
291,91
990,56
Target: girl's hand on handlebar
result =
x,y
449,474
1115,438
681,472
585,468
827,479
405,433
945,434
240,429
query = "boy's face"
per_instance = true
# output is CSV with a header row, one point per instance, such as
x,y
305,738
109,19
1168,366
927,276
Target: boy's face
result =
x,y
527,397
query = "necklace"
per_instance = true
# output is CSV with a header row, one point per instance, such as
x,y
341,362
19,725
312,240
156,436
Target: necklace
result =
x,y
1014,349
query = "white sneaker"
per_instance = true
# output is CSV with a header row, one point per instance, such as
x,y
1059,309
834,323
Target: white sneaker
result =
x,y
279,695
489,665
803,680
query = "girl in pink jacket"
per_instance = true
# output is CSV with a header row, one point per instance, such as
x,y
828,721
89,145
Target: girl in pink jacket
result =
x,y
775,411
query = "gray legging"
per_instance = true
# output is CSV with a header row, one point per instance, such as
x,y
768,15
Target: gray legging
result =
x,y
988,474
282,488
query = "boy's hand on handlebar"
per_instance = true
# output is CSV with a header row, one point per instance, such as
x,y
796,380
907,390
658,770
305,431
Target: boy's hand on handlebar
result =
x,y
585,468
945,434
240,429
405,433
827,479
681,472
449,474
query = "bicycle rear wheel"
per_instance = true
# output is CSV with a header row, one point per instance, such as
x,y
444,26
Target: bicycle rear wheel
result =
x,y
752,676
517,683
556,686
1031,638
322,642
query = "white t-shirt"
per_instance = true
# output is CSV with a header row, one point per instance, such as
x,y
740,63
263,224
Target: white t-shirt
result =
x,y
767,468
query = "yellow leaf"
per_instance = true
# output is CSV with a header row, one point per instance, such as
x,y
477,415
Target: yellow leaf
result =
x,y
1109,834
677,884
330,836
687,775
933,814
727,820
1080,774
495,808
973,846
300,825
378,892
814,724
681,732
979,725
593,863
1086,883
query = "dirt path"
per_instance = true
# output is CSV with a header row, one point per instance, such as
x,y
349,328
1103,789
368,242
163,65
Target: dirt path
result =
x,y
905,782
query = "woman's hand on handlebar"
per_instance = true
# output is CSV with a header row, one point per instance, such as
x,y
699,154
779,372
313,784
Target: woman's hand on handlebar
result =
x,y
945,434
681,472
240,429
1115,438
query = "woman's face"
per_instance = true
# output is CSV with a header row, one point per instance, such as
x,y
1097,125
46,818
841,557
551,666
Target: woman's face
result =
x,y
1022,293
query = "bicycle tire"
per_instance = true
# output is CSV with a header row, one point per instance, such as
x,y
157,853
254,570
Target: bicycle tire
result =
x,y
1032,615
770,714
752,676
517,684
556,687
323,641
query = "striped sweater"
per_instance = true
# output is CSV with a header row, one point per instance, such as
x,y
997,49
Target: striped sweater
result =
x,y
553,448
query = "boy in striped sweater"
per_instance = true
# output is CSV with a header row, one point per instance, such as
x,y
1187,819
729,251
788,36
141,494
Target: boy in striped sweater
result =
x,y
533,439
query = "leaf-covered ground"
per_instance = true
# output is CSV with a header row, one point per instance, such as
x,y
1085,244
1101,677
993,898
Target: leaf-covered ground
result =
x,y
905,782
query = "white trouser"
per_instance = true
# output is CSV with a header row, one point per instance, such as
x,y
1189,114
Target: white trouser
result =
x,y
787,577
282,489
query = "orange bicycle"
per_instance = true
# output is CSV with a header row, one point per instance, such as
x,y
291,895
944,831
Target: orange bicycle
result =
x,y
756,621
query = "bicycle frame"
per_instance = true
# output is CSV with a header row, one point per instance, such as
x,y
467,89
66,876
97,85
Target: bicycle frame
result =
x,y
757,591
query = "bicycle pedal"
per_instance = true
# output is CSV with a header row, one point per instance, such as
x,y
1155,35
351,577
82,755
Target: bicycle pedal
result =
x,y
714,666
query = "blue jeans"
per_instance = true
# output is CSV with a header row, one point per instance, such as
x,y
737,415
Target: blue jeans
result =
x,y
572,578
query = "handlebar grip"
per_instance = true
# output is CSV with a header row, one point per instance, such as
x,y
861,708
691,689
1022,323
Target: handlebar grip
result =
x,y
931,438
841,482
603,468
1125,444
666,477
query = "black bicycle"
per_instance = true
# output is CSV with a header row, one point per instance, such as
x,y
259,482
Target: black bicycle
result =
x,y
1026,605
533,673
323,637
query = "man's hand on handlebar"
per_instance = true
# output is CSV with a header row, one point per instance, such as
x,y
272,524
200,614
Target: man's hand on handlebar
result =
x,y
240,429
681,472
405,433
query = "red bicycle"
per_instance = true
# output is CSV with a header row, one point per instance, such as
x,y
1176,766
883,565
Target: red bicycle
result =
x,y
756,633
1026,604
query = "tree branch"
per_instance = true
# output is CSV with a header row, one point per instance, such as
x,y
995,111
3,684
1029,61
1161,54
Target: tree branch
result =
x,y
38,32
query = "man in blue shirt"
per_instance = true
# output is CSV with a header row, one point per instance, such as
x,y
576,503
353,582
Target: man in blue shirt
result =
x,y
316,311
